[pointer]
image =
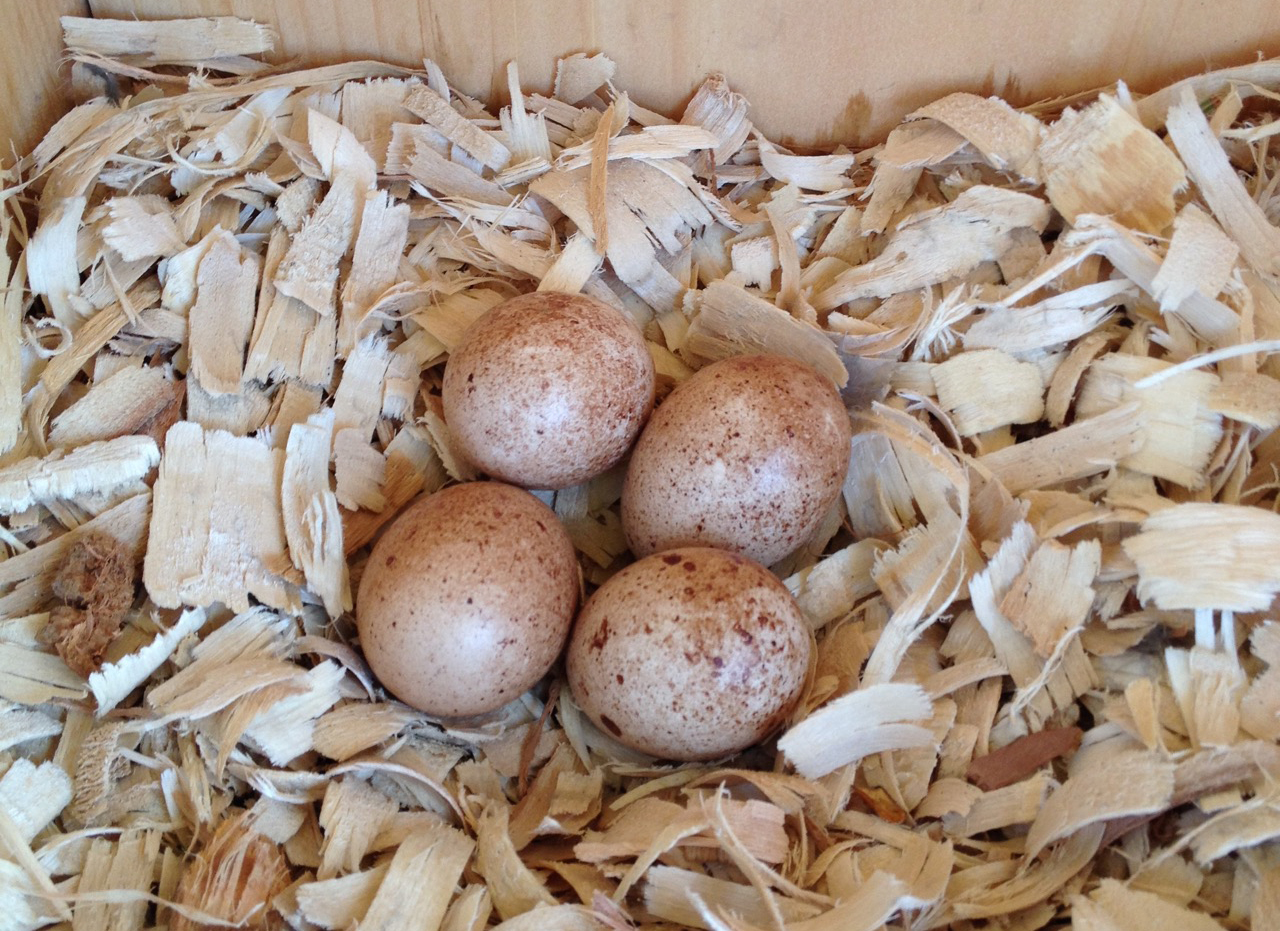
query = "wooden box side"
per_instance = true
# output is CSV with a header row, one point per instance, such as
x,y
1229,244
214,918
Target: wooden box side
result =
x,y
816,73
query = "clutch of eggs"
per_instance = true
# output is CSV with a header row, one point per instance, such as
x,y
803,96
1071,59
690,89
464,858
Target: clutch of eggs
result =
x,y
696,650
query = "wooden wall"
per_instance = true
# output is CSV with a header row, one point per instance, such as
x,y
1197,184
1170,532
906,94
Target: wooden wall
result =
x,y
816,72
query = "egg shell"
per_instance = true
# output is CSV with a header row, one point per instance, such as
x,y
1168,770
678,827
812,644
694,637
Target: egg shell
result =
x,y
690,654
467,599
748,454
547,390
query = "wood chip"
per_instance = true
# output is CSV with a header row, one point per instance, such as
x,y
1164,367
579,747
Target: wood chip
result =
x,y
436,111
1006,139
95,467
1112,905
1111,785
131,401
1102,160
1024,756
213,535
1200,259
717,108
222,317
988,388
580,75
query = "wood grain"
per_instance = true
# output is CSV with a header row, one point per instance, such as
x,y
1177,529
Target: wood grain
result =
x,y
32,84
820,72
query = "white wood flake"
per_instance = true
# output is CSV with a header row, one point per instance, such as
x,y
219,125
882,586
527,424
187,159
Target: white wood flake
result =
x,y
216,527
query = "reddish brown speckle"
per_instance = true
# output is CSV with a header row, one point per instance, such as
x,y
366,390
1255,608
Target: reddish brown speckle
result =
x,y
747,455
520,365
514,588
697,682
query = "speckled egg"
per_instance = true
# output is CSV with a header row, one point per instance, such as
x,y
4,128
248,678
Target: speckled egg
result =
x,y
547,390
467,599
690,654
748,454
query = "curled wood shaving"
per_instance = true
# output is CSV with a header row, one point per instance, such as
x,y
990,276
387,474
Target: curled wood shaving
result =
x,y
1137,187
235,878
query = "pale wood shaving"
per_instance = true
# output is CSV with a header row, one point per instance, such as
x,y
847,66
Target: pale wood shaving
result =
x,y
1085,448
831,587
184,41
1211,319
352,815
19,725
730,321
341,902
1181,569
309,509
443,177
1209,167
1112,906
32,796
1057,319
142,228
1006,139
912,257
1179,430
1112,785
988,388
222,317
669,890
284,732
1200,258
188,524
514,888
129,401
870,720
1139,181
125,865
375,264
1052,597
51,258
717,108
825,173
95,467
579,75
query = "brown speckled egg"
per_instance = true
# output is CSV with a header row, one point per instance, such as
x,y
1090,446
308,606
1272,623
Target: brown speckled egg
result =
x,y
690,654
547,390
467,599
747,454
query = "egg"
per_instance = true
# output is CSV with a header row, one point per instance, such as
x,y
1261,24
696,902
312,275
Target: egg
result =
x,y
467,599
690,654
747,454
547,390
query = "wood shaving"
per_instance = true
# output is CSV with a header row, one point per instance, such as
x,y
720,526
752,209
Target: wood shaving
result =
x,y
1047,672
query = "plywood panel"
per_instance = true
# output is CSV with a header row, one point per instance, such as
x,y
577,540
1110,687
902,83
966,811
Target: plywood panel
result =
x,y
818,71
32,85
